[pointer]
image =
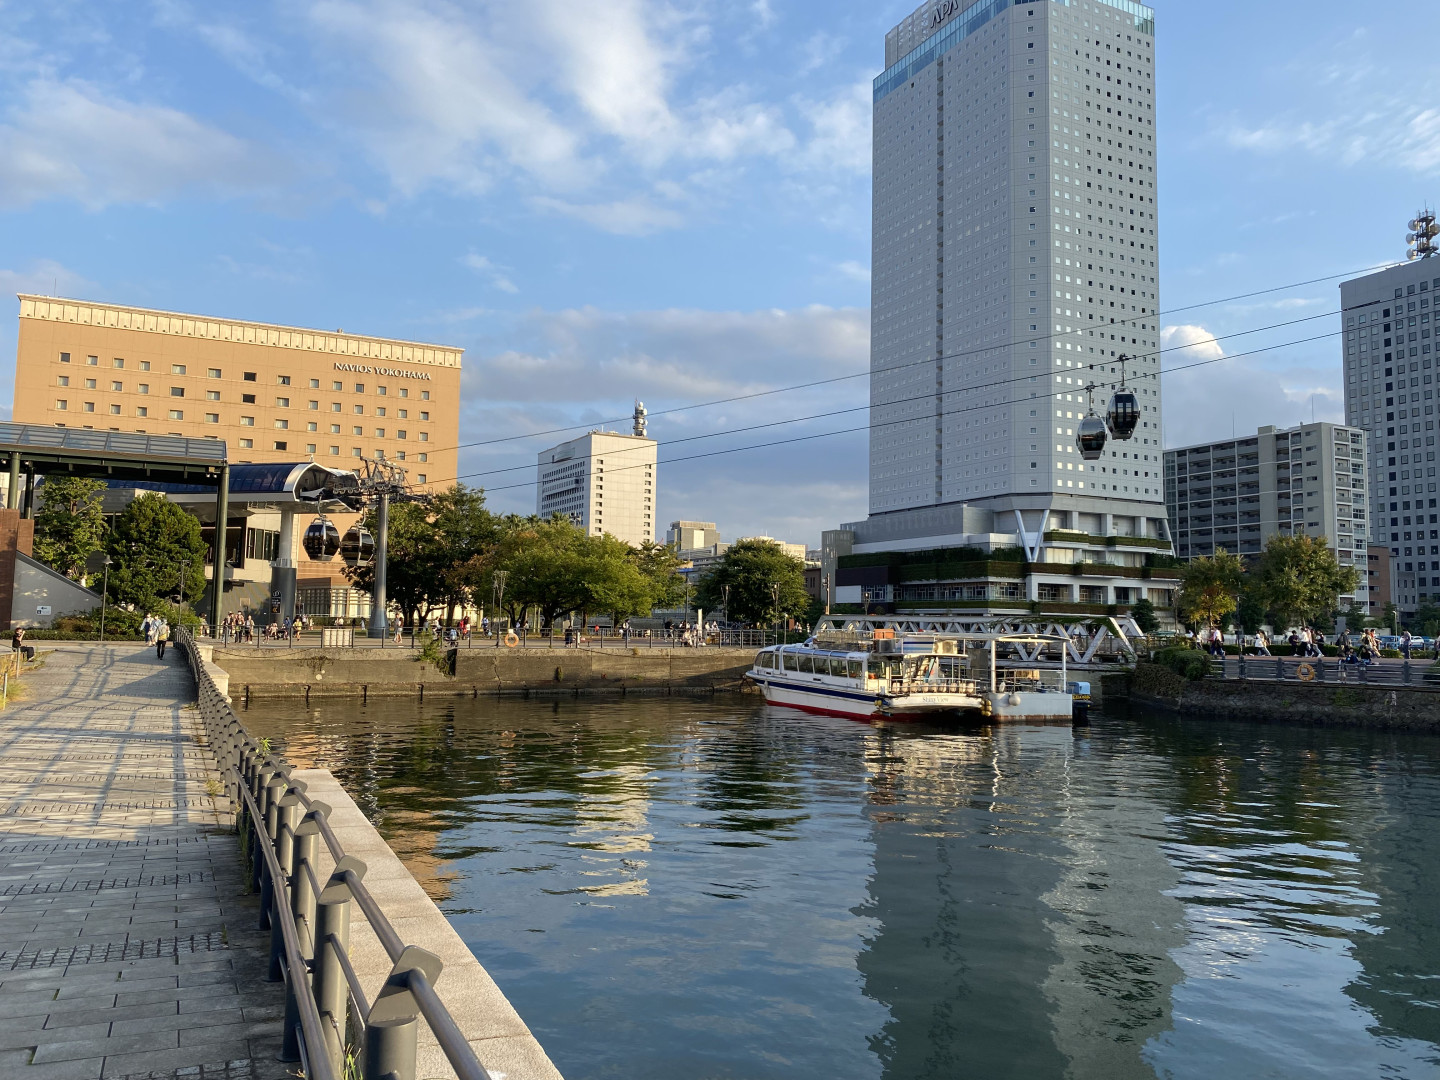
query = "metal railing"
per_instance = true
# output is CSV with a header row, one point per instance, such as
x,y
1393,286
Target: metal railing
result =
x,y
329,1026
605,638
1420,675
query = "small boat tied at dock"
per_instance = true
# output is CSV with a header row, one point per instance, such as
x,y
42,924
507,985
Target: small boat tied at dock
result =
x,y
882,675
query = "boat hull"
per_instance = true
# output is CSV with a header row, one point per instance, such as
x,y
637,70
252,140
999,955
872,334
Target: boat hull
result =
x,y
856,704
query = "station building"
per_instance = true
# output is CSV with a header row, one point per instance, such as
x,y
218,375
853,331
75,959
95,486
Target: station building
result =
x,y
272,394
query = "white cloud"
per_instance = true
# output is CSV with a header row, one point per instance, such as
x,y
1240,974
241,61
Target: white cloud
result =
x,y
495,274
45,277
1187,344
840,130
69,140
854,270
637,216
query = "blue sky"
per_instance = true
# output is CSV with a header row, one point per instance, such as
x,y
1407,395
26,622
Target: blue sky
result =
x,y
666,200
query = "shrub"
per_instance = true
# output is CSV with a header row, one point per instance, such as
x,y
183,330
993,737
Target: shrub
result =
x,y
1188,663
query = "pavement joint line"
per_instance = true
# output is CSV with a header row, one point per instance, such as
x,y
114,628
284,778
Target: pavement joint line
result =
x,y
122,894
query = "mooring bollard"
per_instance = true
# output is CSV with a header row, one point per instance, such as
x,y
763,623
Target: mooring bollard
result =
x,y
393,1025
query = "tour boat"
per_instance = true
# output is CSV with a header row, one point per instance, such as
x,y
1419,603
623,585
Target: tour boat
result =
x,y
911,677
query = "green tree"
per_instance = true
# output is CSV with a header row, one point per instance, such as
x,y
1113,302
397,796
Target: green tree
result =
x,y
1251,613
148,544
752,570
1209,586
614,581
1143,612
661,567
546,562
1426,619
69,526
1300,579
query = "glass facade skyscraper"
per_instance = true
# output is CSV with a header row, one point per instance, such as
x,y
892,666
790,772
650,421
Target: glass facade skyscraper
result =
x,y
1015,252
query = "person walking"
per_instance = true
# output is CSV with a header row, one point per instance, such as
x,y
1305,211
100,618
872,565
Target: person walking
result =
x,y
162,638
1262,645
1405,642
399,627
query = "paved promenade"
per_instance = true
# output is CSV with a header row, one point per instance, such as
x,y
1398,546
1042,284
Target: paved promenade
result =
x,y
126,947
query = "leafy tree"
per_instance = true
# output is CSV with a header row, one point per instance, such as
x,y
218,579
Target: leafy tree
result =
x,y
1251,614
1300,579
69,526
1427,620
1209,586
613,579
148,543
752,569
661,567
546,564
1143,612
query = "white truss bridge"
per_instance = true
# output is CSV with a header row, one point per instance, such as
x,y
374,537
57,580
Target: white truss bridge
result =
x,y
1086,639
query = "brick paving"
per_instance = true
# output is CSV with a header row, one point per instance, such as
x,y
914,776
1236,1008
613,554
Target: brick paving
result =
x,y
128,946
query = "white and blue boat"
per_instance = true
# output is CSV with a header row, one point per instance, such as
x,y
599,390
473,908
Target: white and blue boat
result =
x,y
911,677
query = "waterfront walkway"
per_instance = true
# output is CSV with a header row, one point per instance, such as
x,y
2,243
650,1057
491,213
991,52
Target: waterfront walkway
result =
x,y
126,946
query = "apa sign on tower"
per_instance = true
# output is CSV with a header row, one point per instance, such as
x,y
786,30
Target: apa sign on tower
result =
x,y
943,11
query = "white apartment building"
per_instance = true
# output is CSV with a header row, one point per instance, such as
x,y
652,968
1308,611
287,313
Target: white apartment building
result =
x,y
604,482
1238,493
692,535
1015,260
1391,366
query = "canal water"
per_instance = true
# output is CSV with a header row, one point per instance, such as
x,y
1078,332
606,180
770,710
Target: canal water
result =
x,y
675,888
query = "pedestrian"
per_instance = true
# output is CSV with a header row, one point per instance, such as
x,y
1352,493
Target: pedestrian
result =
x,y
162,638
399,627
1262,645
1405,640
17,644
150,626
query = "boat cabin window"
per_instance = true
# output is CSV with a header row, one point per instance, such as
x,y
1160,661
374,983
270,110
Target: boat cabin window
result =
x,y
765,660
876,667
792,662
856,668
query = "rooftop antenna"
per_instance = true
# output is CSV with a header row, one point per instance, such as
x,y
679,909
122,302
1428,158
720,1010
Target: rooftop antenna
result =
x,y
1422,236
639,418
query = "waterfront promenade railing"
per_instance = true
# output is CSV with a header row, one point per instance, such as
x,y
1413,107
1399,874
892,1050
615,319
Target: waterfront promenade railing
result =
x,y
604,638
330,1027
1403,674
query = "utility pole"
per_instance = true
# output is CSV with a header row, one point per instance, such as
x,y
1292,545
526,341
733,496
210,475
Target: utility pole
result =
x,y
379,624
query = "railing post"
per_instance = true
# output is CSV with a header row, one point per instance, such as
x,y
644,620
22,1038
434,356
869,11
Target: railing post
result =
x,y
305,846
332,938
393,1024
1405,673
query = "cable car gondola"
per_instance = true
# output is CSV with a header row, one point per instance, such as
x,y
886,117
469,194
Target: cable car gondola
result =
x,y
1090,438
321,540
357,547
1123,415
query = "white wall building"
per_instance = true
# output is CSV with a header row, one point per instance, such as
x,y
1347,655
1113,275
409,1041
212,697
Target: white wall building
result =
x,y
1238,493
1391,367
604,482
692,535
1014,246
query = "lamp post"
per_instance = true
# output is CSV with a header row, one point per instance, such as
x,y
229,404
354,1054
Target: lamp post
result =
x,y
775,597
725,604
104,594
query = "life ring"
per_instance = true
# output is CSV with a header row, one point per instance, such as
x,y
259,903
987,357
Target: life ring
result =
x,y
1305,673
511,639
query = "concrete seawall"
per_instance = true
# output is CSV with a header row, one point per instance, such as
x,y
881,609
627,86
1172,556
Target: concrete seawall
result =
x,y
1315,704
270,672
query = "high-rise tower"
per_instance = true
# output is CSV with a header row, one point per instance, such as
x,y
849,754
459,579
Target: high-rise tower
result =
x,y
1389,363
1014,255
1015,251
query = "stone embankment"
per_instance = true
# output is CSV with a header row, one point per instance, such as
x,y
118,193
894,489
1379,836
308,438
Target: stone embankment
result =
x,y
270,672
1389,708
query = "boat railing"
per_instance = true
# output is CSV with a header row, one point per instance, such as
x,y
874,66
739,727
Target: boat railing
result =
x,y
900,687
1030,680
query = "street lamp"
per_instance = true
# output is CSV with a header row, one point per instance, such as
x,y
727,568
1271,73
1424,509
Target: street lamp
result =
x,y
725,605
775,596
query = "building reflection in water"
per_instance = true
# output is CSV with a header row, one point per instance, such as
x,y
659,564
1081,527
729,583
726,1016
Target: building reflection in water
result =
x,y
1023,926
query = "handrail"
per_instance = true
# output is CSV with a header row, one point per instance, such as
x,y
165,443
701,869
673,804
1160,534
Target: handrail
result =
x,y
283,823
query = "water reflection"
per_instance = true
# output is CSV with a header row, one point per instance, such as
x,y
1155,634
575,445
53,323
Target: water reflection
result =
x,y
675,888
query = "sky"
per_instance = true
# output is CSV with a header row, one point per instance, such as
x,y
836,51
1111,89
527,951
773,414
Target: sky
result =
x,y
668,201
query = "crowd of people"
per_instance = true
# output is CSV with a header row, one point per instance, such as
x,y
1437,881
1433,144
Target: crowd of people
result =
x,y
1362,647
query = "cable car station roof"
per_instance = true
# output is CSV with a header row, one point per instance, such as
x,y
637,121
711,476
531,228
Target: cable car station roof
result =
x,y
113,455
267,484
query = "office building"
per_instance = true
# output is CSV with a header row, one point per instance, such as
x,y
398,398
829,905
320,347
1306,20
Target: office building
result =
x,y
1015,250
1379,585
603,481
1390,369
270,393
1236,494
692,535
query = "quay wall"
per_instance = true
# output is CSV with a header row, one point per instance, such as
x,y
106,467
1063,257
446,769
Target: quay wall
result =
x,y
271,672
1316,704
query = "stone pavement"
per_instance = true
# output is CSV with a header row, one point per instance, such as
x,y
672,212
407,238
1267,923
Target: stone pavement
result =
x,y
127,945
